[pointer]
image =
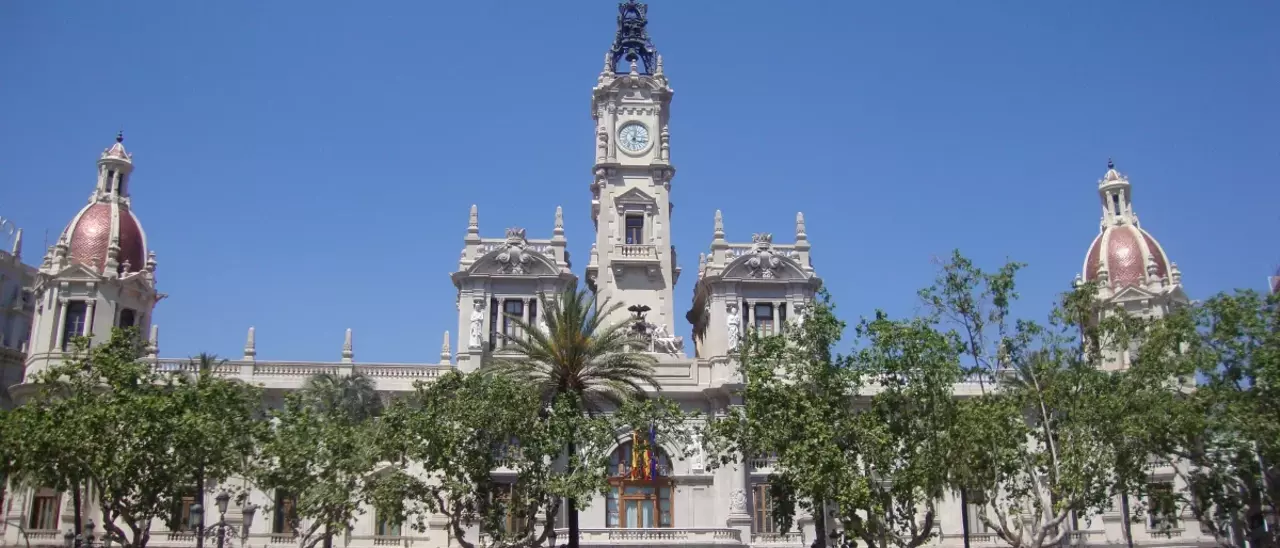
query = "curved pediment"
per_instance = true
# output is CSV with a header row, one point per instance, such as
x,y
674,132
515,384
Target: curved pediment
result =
x,y
765,262
516,258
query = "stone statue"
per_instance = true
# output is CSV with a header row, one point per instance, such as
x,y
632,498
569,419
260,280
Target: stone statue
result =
x,y
737,502
733,325
697,456
801,311
663,341
477,324
542,324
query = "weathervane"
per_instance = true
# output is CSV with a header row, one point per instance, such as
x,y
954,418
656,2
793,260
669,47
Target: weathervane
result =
x,y
632,41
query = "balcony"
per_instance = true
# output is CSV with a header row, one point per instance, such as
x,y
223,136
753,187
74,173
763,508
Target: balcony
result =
x,y
635,253
777,539
656,537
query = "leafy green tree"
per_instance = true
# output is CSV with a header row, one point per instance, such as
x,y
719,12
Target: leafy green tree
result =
x,y
487,452
905,431
579,357
320,453
105,423
221,424
1224,435
1043,442
862,436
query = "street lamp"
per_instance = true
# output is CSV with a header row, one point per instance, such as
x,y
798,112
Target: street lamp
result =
x,y
247,514
71,539
222,500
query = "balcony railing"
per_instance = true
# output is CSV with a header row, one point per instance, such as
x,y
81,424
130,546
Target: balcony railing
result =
x,y
265,370
664,536
635,252
787,539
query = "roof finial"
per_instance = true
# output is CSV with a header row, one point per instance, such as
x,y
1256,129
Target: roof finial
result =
x,y
1110,164
120,136
250,347
445,352
347,351
632,39
718,230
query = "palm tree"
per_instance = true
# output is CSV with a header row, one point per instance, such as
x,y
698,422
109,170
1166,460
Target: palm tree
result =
x,y
578,355
353,396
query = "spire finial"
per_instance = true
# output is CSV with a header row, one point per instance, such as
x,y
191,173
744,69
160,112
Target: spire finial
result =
x,y
153,343
559,219
719,226
473,221
445,352
120,136
250,347
632,39
800,230
347,352
1110,163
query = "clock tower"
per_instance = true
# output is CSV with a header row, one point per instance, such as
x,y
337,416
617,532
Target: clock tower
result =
x,y
632,259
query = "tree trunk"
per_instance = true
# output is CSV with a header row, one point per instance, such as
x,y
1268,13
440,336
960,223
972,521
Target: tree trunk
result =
x,y
1124,514
573,504
820,525
200,501
964,515
75,503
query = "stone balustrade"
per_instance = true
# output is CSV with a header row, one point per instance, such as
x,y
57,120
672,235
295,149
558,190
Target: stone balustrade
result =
x,y
288,375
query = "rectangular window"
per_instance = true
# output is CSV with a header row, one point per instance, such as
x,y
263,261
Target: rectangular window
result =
x,y
493,324
764,318
128,318
782,318
1163,514
975,519
386,528
44,510
512,309
283,515
638,504
635,229
533,311
181,518
762,515
73,324
506,506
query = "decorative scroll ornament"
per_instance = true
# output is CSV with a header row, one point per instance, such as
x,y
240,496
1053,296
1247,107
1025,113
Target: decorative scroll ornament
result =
x,y
765,263
632,40
515,256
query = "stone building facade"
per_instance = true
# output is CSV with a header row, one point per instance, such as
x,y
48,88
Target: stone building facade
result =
x,y
100,274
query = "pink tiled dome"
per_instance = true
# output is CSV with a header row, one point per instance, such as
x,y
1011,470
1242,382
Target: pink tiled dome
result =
x,y
90,235
1126,249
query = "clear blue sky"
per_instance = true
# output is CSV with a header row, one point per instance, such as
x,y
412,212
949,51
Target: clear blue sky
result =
x,y
307,167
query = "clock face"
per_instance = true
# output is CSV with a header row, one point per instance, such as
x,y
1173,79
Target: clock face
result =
x,y
633,137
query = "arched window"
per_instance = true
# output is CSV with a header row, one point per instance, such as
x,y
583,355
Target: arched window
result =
x,y
639,495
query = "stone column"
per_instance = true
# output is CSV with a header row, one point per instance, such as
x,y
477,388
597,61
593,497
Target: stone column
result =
x,y
612,151
58,331
739,516
88,317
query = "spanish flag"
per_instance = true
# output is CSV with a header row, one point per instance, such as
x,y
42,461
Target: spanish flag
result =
x,y
650,457
636,471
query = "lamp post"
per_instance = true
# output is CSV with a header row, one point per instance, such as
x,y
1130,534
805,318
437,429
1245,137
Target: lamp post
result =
x,y
222,499
73,540
247,514
197,522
